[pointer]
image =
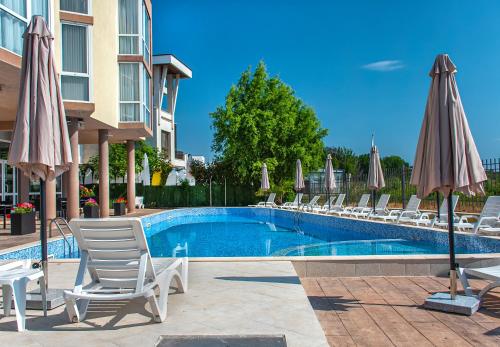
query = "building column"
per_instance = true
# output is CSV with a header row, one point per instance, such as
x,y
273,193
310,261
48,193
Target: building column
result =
x,y
131,176
50,202
72,176
23,187
103,173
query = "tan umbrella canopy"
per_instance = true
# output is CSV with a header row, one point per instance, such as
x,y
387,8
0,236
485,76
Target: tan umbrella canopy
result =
x,y
299,177
447,159
40,144
375,174
264,183
329,177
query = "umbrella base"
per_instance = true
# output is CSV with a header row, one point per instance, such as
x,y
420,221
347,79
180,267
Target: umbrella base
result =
x,y
54,299
466,305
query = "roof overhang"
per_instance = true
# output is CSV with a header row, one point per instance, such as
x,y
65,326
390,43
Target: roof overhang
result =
x,y
175,66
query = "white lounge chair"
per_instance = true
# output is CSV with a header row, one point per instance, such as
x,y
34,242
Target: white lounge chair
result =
x,y
323,208
380,208
268,203
363,203
337,206
411,211
14,277
115,253
313,203
139,202
295,203
491,273
489,220
442,221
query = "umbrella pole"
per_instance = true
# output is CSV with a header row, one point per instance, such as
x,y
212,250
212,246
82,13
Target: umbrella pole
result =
x,y
373,200
43,232
437,204
453,265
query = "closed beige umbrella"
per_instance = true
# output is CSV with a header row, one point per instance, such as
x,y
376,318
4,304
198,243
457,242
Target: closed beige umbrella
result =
x,y
264,182
40,145
329,178
375,174
299,177
447,159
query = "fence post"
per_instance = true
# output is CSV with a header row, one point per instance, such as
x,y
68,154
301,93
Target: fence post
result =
x,y
403,186
225,192
210,190
347,188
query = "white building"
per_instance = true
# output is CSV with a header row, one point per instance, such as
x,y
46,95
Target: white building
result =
x,y
167,73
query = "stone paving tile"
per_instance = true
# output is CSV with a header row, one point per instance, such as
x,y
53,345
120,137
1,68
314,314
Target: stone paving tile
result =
x,y
384,311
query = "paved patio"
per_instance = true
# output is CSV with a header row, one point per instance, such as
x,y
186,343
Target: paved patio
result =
x,y
224,298
386,311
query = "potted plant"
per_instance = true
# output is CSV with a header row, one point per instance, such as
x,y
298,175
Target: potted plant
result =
x,y
119,206
86,193
90,208
22,219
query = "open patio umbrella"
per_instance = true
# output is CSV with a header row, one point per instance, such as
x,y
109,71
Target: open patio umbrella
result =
x,y
446,159
264,182
40,145
299,178
329,178
375,173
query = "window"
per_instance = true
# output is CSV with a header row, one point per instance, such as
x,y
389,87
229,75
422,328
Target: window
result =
x,y
135,93
145,34
165,143
78,6
14,18
75,67
128,27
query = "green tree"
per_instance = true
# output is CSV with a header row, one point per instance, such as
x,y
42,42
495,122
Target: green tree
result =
x,y
393,162
263,121
343,158
117,160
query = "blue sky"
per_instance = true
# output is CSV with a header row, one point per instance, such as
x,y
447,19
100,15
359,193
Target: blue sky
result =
x,y
362,65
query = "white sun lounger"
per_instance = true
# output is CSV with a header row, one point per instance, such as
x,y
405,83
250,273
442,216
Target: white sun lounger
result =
x,y
268,203
295,203
115,253
338,206
491,273
380,208
14,277
425,219
311,204
323,208
363,203
489,220
411,211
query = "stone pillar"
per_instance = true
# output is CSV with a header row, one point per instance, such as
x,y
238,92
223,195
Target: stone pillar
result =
x,y
72,176
131,176
50,202
103,173
23,187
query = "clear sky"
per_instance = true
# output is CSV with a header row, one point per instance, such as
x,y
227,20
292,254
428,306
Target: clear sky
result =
x,y
362,65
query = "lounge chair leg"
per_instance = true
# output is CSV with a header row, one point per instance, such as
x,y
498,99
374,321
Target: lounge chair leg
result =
x,y
19,289
465,283
159,309
77,309
488,288
7,299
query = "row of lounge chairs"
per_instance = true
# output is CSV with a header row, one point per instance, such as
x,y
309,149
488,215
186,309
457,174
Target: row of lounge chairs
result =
x,y
488,220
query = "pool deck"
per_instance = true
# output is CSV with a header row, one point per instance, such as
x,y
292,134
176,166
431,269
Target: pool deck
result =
x,y
224,298
386,311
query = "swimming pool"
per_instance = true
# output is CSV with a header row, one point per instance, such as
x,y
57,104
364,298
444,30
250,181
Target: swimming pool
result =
x,y
263,232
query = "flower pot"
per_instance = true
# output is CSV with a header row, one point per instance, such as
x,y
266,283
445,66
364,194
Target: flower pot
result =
x,y
91,211
119,208
22,223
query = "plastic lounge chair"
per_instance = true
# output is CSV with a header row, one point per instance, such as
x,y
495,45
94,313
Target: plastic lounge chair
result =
x,y
323,208
491,273
380,208
425,219
311,204
337,206
139,202
295,203
411,211
115,253
269,202
489,218
14,277
363,203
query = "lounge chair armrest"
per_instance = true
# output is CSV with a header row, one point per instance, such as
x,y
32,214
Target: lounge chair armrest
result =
x,y
395,212
465,218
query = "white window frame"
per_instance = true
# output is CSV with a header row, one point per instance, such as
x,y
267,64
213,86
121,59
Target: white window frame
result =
x,y
141,11
89,61
144,13
28,16
142,100
143,97
89,7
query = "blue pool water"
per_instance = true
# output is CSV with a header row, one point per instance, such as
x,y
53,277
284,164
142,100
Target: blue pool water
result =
x,y
261,232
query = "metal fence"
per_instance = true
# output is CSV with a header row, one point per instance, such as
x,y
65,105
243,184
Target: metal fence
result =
x,y
397,183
